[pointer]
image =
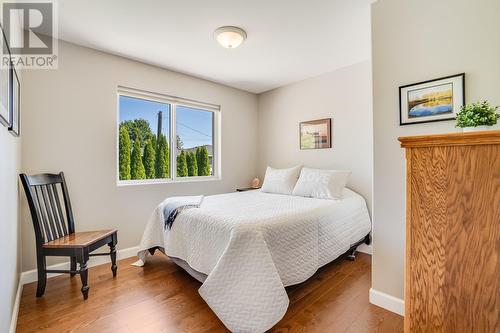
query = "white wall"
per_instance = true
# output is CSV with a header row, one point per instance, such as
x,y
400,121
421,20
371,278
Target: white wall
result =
x,y
10,163
69,117
415,41
10,234
343,95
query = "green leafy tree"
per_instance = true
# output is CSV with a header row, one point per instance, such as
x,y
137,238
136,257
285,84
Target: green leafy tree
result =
x,y
137,170
153,142
149,159
198,159
203,161
124,153
182,170
138,128
192,165
162,161
166,151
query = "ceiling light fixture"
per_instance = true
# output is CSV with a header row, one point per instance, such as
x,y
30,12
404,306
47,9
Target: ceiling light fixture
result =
x,y
230,37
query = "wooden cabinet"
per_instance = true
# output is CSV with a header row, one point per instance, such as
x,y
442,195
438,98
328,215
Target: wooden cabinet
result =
x,y
452,232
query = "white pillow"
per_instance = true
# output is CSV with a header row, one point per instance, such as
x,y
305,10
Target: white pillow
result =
x,y
280,180
321,184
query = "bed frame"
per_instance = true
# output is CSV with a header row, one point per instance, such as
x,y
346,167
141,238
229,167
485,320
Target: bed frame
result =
x,y
351,253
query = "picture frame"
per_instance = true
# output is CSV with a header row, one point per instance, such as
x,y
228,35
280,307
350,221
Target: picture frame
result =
x,y
433,100
5,82
15,105
315,134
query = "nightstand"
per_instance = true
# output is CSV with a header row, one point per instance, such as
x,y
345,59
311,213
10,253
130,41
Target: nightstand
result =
x,y
244,189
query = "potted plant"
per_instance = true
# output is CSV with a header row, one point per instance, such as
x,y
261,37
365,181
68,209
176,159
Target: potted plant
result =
x,y
477,116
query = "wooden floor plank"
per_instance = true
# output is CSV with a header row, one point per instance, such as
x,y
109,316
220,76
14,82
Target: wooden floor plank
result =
x,y
161,297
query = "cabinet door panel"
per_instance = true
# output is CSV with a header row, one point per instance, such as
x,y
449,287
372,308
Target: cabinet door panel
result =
x,y
427,258
453,283
472,276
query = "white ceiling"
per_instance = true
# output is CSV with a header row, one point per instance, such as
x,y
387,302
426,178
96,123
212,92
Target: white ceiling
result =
x,y
288,40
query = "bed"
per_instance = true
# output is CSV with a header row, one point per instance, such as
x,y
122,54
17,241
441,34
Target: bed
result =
x,y
247,246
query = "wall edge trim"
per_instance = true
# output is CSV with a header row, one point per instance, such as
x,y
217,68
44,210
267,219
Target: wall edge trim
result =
x,y
387,301
15,307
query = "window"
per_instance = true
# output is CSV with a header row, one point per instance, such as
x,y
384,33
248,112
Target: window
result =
x,y
194,137
165,139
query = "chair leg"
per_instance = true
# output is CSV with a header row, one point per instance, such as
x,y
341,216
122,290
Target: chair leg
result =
x,y
84,273
73,266
42,276
112,253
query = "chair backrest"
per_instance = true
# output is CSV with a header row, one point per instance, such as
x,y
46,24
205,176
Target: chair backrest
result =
x,y
51,219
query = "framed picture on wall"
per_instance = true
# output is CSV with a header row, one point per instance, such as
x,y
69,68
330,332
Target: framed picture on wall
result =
x,y
15,105
433,100
5,77
316,134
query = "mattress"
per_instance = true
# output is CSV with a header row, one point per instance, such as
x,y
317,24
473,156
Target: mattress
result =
x,y
248,246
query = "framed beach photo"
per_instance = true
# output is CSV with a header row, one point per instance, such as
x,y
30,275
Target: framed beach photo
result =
x,y
433,100
5,77
316,134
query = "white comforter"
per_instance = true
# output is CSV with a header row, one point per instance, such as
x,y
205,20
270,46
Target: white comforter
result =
x,y
253,244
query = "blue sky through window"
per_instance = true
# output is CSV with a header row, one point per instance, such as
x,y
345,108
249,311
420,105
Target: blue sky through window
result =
x,y
194,127
135,108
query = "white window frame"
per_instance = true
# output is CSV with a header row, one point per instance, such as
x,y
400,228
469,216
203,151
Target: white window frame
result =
x,y
173,101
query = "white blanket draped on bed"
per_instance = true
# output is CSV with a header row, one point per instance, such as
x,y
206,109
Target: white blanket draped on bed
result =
x,y
253,244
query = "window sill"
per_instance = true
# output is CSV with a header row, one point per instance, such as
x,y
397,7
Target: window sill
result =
x,y
121,183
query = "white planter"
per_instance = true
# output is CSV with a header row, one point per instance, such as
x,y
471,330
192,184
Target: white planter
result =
x,y
477,128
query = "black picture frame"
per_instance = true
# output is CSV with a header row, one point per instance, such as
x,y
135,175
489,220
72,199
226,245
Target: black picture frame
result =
x,y
15,105
4,49
460,76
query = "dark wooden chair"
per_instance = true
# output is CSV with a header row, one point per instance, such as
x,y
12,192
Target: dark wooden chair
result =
x,y
55,230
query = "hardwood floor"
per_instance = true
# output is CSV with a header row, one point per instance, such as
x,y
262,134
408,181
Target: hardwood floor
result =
x,y
161,297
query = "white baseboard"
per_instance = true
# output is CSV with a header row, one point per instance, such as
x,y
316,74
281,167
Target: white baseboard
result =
x,y
387,301
31,276
365,248
15,308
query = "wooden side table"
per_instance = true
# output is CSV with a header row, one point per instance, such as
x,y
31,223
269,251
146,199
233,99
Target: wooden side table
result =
x,y
244,189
